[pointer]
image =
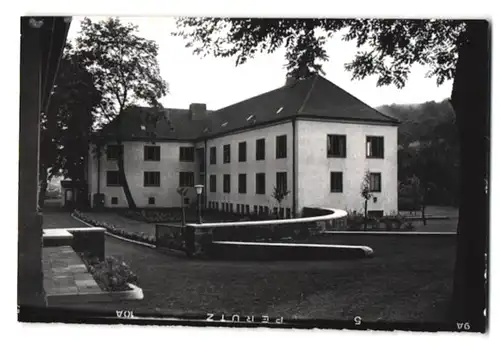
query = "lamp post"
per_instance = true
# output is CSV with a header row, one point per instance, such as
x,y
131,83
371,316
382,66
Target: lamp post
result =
x,y
199,191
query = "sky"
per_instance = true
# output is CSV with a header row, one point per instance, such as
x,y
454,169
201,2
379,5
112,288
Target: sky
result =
x,y
217,82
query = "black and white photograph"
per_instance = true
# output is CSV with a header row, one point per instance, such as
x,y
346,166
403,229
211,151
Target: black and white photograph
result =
x,y
247,172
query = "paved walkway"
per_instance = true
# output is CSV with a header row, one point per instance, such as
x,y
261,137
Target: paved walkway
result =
x,y
65,274
60,219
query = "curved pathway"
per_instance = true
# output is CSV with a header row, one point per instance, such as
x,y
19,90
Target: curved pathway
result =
x,y
406,281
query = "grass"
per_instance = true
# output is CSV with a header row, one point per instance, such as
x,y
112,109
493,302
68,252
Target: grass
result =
x,y
409,279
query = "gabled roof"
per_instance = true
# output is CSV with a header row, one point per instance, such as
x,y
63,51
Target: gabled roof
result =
x,y
314,97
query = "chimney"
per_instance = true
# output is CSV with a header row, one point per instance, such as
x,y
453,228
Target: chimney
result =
x,y
197,111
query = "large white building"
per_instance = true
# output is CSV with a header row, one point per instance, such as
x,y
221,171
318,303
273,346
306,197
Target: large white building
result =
x,y
309,137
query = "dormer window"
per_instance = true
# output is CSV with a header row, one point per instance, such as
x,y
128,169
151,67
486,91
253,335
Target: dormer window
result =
x,y
224,124
279,110
143,127
251,118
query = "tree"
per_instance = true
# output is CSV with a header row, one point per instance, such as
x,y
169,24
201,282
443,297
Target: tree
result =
x,y
366,195
279,193
458,50
419,193
125,71
65,129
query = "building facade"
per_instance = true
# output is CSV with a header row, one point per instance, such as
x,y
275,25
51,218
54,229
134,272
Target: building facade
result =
x,y
309,139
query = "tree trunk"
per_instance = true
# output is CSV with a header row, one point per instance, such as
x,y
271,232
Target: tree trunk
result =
x,y
121,167
42,191
42,185
424,220
123,178
366,215
471,102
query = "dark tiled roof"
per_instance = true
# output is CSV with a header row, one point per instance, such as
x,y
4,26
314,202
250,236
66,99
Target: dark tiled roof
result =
x,y
174,124
328,100
312,97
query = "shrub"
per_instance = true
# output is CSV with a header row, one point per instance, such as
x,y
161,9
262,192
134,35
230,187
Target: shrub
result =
x,y
407,204
408,226
354,220
111,274
387,221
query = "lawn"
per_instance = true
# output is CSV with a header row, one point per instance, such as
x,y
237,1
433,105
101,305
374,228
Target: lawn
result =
x,y
409,279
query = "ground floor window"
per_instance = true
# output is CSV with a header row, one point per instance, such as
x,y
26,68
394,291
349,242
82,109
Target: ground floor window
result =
x,y
151,178
112,178
375,182
186,179
336,182
227,183
281,181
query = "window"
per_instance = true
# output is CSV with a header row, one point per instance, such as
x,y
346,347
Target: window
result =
x,y
281,146
260,183
113,151
374,147
114,200
213,183
231,207
260,149
335,146
281,182
242,151
242,183
213,155
261,209
226,154
152,153
375,213
186,179
375,182
151,178
247,209
200,156
288,213
282,213
186,154
238,208
113,178
151,200
255,209
336,182
227,183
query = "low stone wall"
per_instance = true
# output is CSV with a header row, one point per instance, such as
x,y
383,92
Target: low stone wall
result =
x,y
285,251
197,239
88,240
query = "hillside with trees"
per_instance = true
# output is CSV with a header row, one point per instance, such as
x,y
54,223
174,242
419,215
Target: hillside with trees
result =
x,y
428,149
418,121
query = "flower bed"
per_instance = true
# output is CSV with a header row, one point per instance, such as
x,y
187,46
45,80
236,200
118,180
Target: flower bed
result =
x,y
174,215
355,222
135,236
112,275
